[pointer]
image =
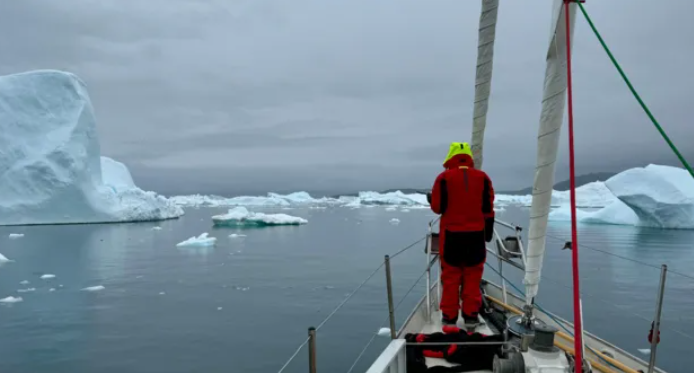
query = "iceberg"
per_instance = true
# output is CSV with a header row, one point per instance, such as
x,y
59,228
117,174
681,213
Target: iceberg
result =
x,y
661,196
591,195
47,276
201,240
616,213
51,165
240,216
397,198
14,236
271,200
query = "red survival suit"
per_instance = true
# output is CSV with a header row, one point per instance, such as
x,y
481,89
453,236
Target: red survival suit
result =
x,y
464,197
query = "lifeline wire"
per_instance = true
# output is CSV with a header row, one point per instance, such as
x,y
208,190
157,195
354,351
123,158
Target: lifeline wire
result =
x,y
294,355
383,323
364,283
623,257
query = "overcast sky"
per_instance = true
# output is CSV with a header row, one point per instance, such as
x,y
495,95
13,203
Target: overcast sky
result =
x,y
231,96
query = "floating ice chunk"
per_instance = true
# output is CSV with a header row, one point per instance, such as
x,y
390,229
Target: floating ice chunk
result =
x,y
645,351
201,240
94,288
156,228
391,208
47,276
395,221
384,332
11,299
51,289
236,235
162,293
28,290
240,216
219,308
25,282
3,259
405,210
14,236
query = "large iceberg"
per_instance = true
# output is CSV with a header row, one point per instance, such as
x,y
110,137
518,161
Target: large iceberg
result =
x,y
652,196
240,216
661,196
50,163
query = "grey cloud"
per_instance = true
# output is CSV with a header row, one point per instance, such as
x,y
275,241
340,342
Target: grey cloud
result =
x,y
337,94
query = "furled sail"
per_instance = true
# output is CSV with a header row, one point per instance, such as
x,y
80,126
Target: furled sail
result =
x,y
483,76
551,118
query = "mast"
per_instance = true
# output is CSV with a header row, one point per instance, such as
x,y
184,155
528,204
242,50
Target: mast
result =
x,y
483,76
553,101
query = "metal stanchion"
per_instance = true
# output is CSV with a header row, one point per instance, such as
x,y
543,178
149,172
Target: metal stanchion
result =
x,y
389,287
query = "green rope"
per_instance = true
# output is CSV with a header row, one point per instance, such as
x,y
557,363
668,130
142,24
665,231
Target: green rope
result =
x,y
636,95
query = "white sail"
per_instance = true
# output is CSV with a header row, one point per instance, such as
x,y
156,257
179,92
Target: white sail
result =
x,y
553,101
483,76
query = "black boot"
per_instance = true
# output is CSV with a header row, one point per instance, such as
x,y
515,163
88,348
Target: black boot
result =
x,y
471,322
449,321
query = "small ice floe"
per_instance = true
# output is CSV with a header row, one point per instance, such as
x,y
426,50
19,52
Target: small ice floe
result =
x,y
395,221
11,299
28,290
51,289
60,286
645,351
47,276
94,288
162,293
391,208
201,240
219,308
25,282
405,210
3,259
157,228
384,332
236,235
140,276
14,236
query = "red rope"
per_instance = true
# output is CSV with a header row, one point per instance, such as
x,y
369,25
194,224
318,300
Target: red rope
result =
x,y
578,318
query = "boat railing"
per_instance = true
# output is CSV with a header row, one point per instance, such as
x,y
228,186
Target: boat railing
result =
x,y
508,250
507,247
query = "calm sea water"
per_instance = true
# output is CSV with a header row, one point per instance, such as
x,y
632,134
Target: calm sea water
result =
x,y
245,304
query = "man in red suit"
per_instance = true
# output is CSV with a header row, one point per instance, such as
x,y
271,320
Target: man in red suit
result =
x,y
464,197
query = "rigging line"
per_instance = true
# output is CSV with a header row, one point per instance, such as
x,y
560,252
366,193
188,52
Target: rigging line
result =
x,y
339,306
383,323
363,350
627,311
408,247
624,257
633,91
293,355
578,307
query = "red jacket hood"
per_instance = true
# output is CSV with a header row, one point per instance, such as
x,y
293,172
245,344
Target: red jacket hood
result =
x,y
459,160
